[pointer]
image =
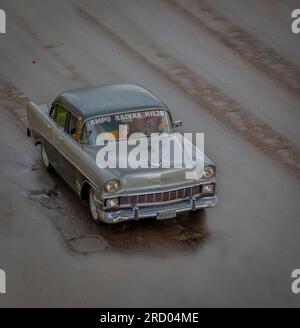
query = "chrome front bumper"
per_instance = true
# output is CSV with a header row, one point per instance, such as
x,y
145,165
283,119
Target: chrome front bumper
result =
x,y
135,213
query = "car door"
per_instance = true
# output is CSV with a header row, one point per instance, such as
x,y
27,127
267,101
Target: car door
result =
x,y
60,118
49,131
66,141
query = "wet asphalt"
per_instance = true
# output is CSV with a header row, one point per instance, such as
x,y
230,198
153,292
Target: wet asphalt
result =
x,y
195,56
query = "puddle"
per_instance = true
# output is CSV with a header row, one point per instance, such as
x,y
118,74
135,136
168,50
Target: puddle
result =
x,y
88,244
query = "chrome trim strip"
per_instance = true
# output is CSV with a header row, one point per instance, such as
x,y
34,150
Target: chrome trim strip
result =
x,y
168,190
202,182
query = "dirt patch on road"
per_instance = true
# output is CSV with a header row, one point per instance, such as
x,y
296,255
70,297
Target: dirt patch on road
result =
x,y
234,37
48,199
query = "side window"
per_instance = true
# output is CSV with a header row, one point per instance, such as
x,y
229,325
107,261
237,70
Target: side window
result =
x,y
73,128
84,135
53,112
61,116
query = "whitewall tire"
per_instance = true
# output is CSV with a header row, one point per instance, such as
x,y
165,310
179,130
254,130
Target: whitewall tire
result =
x,y
45,157
93,205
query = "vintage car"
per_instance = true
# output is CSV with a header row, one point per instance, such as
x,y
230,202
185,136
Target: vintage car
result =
x,y
67,132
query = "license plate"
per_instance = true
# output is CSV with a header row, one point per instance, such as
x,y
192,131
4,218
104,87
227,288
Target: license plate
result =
x,y
166,215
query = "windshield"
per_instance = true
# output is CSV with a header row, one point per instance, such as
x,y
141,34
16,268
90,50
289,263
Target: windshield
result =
x,y
146,122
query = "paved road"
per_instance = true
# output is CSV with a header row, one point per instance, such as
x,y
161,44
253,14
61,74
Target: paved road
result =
x,y
208,62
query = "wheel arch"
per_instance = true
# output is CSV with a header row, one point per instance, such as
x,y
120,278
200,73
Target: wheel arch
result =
x,y
84,191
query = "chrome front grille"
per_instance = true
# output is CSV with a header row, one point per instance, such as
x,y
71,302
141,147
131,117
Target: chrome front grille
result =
x,y
160,197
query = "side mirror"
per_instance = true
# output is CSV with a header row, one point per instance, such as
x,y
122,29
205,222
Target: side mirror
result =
x,y
177,124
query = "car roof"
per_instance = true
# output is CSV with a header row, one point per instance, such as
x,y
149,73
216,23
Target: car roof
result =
x,y
108,99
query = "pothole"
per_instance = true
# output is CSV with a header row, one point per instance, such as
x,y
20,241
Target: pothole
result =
x,y
88,244
48,199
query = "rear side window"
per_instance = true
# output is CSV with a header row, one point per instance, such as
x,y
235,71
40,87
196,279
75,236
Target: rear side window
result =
x,y
61,116
86,136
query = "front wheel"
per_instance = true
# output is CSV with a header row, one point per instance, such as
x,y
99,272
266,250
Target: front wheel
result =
x,y
45,158
93,205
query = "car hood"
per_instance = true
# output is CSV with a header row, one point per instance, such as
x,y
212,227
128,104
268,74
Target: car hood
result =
x,y
152,178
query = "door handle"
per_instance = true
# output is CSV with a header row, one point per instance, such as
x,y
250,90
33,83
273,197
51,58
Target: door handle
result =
x,y
61,138
49,127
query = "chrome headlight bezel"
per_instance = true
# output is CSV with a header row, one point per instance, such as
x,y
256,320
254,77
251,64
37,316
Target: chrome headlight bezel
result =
x,y
111,203
112,186
209,172
208,189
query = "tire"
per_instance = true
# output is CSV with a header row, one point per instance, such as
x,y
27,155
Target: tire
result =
x,y
92,205
45,158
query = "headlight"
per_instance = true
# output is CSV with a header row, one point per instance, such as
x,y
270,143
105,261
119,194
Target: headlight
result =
x,y
113,185
209,172
113,202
